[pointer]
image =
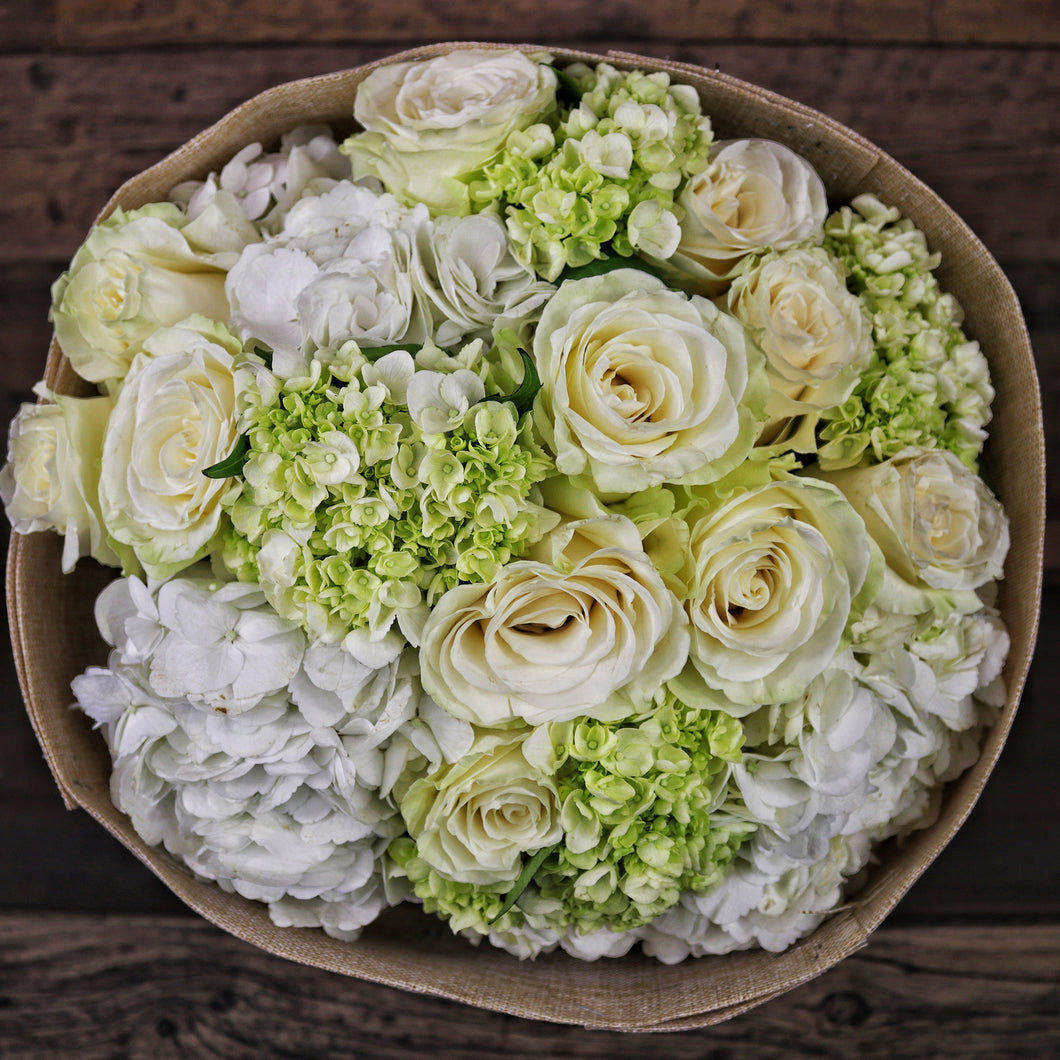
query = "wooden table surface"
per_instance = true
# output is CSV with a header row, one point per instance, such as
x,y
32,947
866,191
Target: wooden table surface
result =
x,y
97,959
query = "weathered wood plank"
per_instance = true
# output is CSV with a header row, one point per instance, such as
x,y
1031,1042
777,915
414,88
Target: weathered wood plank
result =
x,y
161,987
96,23
1038,289
23,25
977,126
25,296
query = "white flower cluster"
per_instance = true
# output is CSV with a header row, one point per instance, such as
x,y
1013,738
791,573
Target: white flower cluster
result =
x,y
266,185
261,761
353,264
860,757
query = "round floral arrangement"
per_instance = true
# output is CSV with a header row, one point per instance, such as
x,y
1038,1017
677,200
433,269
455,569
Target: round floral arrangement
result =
x,y
528,506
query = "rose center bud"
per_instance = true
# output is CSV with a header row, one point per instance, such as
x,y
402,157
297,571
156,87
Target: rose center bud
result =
x,y
111,295
186,444
751,592
556,619
795,311
511,816
635,392
537,628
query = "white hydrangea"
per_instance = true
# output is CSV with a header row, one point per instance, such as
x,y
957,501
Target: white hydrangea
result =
x,y
214,643
279,793
467,280
750,909
349,263
267,184
860,757
944,669
537,936
831,737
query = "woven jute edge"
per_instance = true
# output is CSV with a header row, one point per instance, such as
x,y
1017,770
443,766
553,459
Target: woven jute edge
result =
x,y
54,638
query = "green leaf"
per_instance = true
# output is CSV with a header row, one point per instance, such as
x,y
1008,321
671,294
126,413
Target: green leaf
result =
x,y
232,464
373,353
530,867
568,89
523,395
264,353
604,265
984,474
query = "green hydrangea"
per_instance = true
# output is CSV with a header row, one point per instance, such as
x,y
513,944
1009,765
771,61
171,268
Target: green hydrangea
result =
x,y
606,175
927,385
351,513
636,803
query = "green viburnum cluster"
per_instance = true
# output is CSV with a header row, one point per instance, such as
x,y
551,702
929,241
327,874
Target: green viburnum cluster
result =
x,y
927,385
636,800
352,512
607,174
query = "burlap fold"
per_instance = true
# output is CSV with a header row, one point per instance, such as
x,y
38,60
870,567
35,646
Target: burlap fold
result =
x,y
54,636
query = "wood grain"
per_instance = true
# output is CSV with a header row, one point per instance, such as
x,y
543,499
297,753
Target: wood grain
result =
x,y
161,987
23,25
96,23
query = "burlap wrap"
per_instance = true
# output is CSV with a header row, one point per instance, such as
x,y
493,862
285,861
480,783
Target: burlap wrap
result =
x,y
54,636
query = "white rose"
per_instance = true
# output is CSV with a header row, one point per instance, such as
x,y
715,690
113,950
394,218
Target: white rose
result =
x,y
939,527
174,416
641,384
815,334
474,820
51,479
550,641
772,577
134,273
430,123
753,194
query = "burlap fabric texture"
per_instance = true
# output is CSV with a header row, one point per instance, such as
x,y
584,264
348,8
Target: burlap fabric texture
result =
x,y
54,637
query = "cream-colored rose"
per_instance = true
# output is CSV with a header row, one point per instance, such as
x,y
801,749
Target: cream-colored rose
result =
x,y
642,384
51,479
593,631
772,578
174,416
475,819
135,273
428,124
938,525
815,334
753,194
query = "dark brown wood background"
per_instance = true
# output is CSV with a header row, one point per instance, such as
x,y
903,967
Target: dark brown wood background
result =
x,y
97,959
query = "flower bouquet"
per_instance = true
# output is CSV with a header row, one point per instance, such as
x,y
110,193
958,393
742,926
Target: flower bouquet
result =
x,y
548,512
